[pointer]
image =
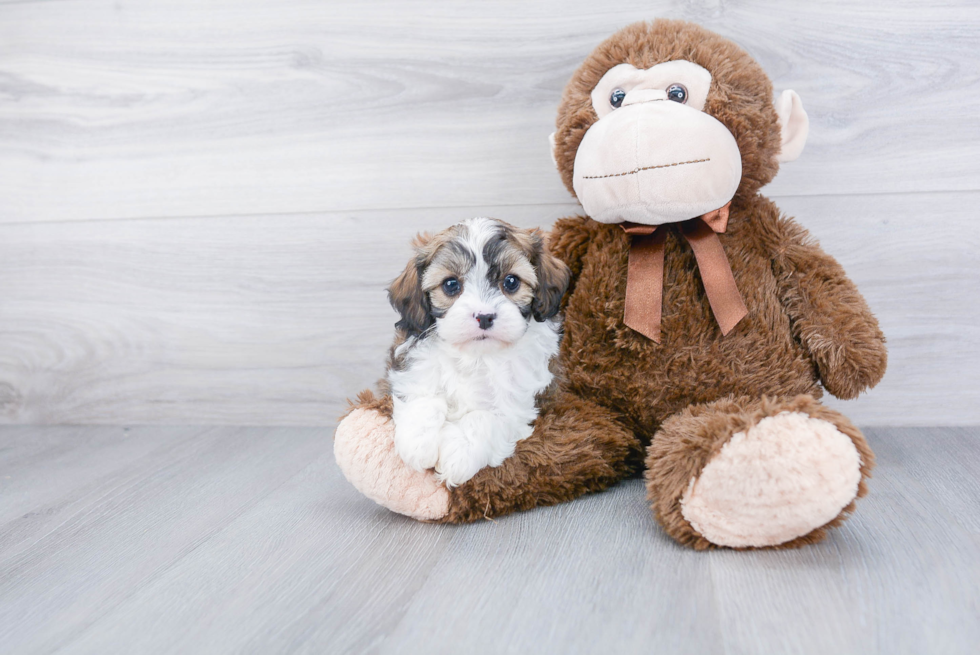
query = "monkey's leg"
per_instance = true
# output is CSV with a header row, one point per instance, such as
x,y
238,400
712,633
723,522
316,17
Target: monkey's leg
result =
x,y
364,447
576,447
751,473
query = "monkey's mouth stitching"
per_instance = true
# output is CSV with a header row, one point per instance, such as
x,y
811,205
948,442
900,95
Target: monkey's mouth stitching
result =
x,y
645,168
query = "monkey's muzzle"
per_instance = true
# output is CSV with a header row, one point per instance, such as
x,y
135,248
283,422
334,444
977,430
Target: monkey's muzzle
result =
x,y
654,163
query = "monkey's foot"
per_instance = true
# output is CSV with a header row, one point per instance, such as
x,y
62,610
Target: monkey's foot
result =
x,y
778,473
364,448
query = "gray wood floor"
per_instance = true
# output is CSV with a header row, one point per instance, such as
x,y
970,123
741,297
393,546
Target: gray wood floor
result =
x,y
230,540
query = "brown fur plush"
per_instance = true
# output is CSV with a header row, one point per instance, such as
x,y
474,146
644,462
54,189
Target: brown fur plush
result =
x,y
625,403
689,439
683,398
740,95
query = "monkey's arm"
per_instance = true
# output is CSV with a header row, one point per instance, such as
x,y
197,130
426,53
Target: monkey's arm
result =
x,y
569,240
829,316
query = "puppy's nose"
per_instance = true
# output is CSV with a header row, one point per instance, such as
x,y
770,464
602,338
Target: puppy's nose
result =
x,y
485,320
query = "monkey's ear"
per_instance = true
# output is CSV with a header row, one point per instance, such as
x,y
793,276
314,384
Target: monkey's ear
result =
x,y
553,278
407,298
793,125
551,142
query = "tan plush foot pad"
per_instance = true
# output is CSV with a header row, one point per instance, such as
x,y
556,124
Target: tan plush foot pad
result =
x,y
365,451
782,478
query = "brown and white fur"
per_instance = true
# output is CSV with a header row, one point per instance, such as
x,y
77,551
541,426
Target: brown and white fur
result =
x,y
478,329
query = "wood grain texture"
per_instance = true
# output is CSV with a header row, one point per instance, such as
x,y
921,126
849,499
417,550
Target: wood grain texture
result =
x,y
228,540
202,202
186,108
277,319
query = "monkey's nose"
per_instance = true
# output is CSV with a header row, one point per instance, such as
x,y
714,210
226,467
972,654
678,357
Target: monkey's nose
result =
x,y
485,320
636,96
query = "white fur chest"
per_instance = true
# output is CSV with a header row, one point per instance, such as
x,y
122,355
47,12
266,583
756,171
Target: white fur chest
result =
x,y
462,410
501,380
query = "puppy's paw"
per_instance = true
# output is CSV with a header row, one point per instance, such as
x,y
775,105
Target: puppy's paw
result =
x,y
496,436
417,426
462,454
501,449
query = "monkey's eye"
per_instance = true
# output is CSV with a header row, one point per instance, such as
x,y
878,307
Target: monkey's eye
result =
x,y
677,93
511,283
450,286
616,98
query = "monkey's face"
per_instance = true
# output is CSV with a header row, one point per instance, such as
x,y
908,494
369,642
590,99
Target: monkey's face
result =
x,y
665,121
654,156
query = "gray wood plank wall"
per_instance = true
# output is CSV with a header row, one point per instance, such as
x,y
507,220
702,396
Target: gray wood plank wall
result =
x,y
202,202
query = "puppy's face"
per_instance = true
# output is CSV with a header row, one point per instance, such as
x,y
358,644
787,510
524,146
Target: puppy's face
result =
x,y
478,284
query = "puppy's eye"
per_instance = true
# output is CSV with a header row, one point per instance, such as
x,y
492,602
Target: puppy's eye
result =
x,y
511,283
677,93
616,98
451,286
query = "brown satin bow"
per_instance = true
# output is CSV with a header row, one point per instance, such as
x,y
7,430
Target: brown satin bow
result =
x,y
645,276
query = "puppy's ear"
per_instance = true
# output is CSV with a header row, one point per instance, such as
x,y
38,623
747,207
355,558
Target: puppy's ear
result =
x,y
406,296
553,278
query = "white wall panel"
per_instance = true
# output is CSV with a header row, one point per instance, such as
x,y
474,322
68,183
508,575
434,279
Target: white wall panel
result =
x,y
202,202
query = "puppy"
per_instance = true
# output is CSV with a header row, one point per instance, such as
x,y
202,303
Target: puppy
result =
x,y
478,328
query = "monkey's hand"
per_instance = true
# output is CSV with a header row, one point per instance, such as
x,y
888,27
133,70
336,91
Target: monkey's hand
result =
x,y
830,317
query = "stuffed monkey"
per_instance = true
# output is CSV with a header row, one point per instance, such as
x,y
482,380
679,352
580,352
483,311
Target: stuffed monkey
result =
x,y
700,326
